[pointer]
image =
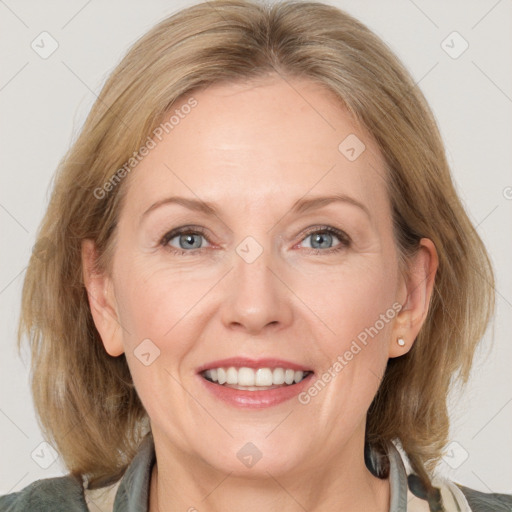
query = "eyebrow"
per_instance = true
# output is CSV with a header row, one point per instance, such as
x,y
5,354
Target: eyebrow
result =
x,y
300,206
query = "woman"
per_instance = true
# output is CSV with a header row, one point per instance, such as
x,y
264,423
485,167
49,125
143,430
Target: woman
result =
x,y
262,279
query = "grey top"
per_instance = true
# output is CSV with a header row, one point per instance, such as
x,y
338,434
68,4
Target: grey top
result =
x,y
131,493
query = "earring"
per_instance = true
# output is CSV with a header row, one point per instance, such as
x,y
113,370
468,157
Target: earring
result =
x,y
401,342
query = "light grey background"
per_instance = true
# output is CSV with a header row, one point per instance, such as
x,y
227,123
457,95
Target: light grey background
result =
x,y
43,103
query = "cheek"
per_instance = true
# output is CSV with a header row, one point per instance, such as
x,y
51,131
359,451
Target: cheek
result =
x,y
354,314
159,315
154,300
350,301
356,310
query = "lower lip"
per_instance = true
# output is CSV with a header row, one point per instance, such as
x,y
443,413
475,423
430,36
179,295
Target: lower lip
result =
x,y
256,399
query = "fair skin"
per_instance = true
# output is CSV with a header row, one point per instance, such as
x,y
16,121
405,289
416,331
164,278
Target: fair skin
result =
x,y
253,150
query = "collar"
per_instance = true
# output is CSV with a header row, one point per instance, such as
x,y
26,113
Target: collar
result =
x,y
133,490
398,486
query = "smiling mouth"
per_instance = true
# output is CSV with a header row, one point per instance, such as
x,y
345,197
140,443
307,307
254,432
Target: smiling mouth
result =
x,y
259,379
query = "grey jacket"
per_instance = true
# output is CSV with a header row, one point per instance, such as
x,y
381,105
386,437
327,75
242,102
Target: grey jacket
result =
x,y
131,493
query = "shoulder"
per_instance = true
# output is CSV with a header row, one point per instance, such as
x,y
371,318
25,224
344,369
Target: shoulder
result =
x,y
61,494
451,496
486,502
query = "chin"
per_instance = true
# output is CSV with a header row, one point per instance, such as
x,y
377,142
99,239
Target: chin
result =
x,y
254,456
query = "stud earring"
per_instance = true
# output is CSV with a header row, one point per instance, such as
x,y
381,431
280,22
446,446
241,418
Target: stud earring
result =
x,y
401,342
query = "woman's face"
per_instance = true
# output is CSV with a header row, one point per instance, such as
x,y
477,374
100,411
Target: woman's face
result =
x,y
263,275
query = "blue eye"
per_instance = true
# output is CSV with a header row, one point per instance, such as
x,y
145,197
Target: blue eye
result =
x,y
188,240
322,240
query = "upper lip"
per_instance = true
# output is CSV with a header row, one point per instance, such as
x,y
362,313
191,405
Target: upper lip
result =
x,y
239,362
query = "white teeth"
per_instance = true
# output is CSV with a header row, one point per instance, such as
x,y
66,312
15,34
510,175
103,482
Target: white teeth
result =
x,y
251,379
278,376
263,377
221,375
231,376
246,377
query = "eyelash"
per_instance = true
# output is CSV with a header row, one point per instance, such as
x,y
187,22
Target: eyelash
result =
x,y
342,237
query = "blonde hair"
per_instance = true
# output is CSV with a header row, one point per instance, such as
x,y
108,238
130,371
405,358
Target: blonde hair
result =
x,y
85,399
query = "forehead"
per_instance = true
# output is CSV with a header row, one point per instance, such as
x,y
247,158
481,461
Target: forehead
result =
x,y
263,142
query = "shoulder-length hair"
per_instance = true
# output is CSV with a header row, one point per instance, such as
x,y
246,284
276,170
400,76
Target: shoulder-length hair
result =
x,y
85,399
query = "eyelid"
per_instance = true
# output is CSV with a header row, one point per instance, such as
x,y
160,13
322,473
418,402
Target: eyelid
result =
x,y
328,229
343,237
173,233
195,230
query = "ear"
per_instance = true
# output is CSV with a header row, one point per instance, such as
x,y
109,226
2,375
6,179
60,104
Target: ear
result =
x,y
417,289
102,302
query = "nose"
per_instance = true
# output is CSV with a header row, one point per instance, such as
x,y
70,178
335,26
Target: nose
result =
x,y
257,298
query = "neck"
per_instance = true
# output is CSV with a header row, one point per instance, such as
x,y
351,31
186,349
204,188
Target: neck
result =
x,y
341,484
